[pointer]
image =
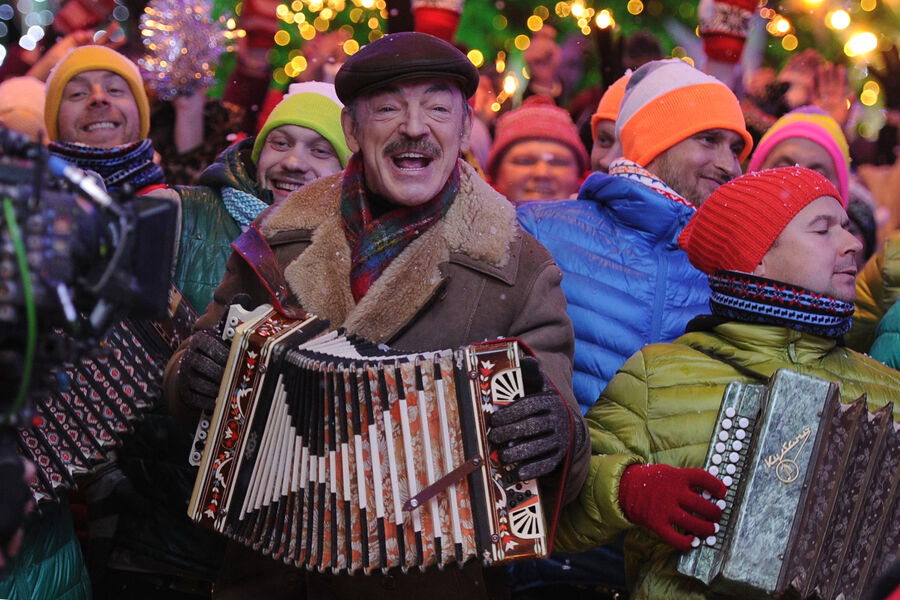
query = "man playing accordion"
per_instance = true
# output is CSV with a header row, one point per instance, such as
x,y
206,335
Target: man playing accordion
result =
x,y
406,247
781,268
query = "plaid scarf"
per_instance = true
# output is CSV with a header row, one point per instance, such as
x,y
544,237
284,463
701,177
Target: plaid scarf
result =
x,y
130,163
377,240
752,299
622,167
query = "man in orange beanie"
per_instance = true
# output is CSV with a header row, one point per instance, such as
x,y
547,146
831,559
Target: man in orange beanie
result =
x,y
606,146
779,260
627,283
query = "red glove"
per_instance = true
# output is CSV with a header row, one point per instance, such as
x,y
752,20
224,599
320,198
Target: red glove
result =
x,y
723,27
660,497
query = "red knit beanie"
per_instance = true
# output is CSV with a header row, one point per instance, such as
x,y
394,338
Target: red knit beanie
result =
x,y
537,119
739,222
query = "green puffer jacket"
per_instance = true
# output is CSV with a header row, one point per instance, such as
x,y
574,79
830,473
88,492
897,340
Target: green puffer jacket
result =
x,y
207,229
661,408
49,565
886,347
877,289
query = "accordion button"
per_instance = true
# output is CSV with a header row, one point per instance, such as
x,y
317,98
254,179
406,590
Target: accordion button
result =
x,y
723,436
716,459
695,543
727,480
737,446
743,423
711,540
714,471
730,412
730,469
726,423
740,434
734,457
720,447
721,504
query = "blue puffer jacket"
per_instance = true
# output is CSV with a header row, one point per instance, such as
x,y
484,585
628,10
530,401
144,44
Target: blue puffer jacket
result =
x,y
626,282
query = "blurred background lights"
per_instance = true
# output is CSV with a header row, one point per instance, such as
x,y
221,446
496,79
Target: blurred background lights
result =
x,y
861,43
790,42
476,57
635,7
869,94
604,19
839,19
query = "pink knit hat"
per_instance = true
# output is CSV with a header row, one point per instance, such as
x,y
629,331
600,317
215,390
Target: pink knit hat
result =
x,y
813,124
537,119
740,221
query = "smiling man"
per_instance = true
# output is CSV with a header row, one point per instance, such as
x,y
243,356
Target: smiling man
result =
x,y
407,247
780,263
97,117
300,142
537,154
627,283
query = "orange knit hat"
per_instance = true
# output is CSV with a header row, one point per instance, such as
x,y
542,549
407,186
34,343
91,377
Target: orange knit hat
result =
x,y
740,221
608,108
667,101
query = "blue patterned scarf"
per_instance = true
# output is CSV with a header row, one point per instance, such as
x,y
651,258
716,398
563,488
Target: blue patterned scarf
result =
x,y
752,299
242,206
130,163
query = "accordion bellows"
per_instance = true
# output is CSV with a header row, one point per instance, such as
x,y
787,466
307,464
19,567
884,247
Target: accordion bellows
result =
x,y
332,453
813,506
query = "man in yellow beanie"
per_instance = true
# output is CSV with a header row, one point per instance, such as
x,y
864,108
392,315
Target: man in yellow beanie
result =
x,y
97,117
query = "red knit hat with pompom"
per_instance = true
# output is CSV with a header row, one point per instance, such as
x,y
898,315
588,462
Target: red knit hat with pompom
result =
x,y
739,222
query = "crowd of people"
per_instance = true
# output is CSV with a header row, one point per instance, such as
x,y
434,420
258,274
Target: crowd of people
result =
x,y
650,242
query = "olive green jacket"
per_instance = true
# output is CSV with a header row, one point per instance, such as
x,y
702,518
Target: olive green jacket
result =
x,y
661,408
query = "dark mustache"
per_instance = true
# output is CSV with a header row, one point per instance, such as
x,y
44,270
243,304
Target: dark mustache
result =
x,y
413,145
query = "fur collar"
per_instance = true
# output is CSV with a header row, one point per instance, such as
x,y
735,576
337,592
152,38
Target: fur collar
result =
x,y
479,227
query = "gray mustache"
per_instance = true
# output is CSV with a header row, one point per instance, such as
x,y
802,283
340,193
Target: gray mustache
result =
x,y
424,146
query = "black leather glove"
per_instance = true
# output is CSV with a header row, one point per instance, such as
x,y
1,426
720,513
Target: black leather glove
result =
x,y
202,368
532,434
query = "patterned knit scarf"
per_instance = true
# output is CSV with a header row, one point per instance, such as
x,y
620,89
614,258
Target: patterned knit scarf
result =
x,y
745,297
130,163
242,207
375,240
628,169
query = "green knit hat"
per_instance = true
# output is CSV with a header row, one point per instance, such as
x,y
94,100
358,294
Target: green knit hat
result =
x,y
313,105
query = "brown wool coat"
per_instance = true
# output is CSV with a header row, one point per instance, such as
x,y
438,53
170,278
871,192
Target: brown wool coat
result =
x,y
474,275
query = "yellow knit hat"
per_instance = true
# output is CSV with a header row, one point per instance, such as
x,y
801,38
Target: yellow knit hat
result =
x,y
93,58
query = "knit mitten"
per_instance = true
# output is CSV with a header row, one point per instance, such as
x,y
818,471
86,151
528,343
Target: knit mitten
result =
x,y
723,27
661,497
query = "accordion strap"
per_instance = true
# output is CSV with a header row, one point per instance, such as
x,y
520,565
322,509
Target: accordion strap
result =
x,y
253,248
443,483
743,370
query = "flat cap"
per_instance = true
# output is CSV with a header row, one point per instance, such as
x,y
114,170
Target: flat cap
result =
x,y
399,56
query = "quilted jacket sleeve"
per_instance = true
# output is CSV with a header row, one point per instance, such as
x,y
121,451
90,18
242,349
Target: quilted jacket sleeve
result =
x,y
619,439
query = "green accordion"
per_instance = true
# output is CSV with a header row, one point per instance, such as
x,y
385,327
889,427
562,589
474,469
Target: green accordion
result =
x,y
813,507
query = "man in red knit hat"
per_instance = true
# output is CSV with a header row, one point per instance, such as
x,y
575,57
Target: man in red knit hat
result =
x,y
781,268
537,154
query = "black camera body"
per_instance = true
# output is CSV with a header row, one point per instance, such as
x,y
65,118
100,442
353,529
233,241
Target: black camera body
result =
x,y
73,261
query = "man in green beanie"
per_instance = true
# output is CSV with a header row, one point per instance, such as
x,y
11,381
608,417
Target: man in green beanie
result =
x,y
301,141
